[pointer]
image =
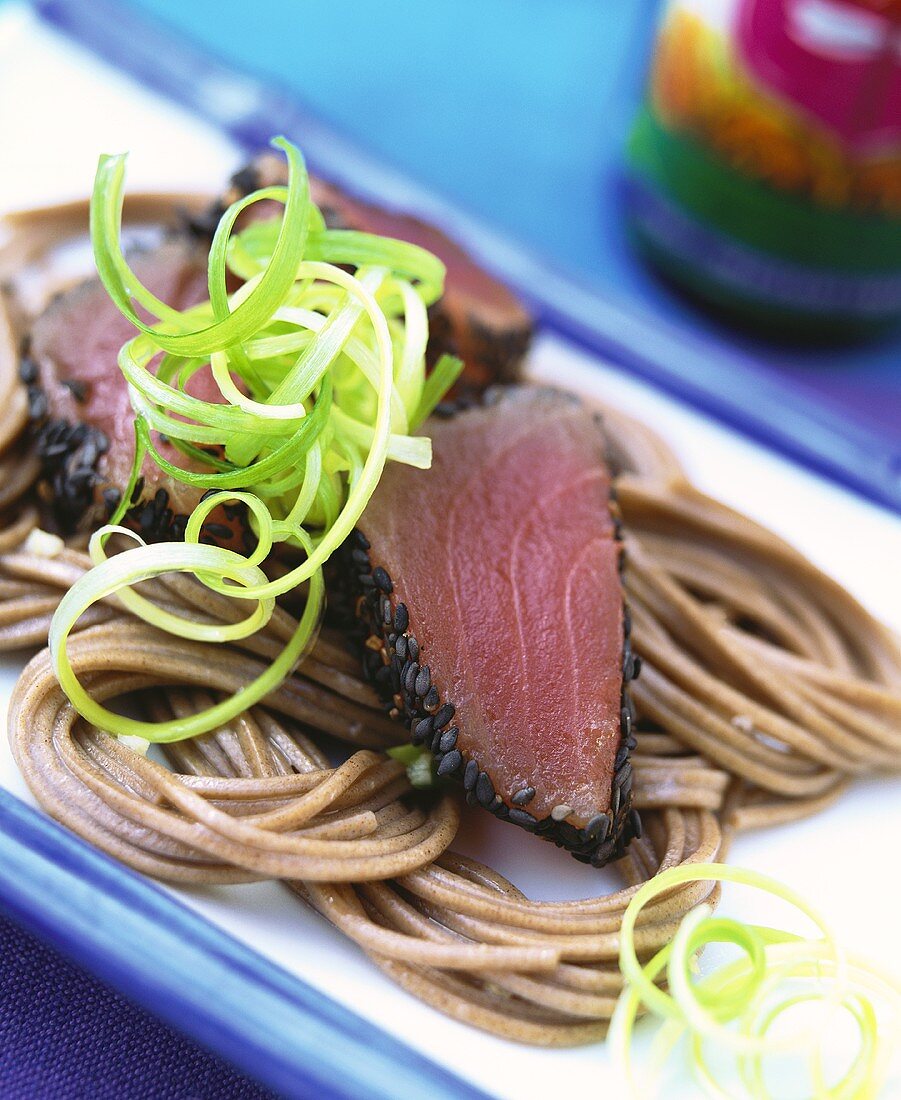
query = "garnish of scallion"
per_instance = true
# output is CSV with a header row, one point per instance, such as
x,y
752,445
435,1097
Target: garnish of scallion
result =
x,y
792,1016
320,360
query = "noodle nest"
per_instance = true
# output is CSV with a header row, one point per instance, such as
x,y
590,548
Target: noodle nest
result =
x,y
765,690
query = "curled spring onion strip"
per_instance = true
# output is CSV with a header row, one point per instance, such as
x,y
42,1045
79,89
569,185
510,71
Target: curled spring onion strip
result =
x,y
172,333
321,373
735,1008
117,574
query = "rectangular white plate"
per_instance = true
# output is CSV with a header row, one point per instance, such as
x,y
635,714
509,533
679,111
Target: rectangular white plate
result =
x,y
837,859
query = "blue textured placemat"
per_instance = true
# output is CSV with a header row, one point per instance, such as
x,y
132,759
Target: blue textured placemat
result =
x,y
66,1035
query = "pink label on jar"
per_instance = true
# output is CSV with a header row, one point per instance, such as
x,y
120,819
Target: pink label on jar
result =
x,y
838,60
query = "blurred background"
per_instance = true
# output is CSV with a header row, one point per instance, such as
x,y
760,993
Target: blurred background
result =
x,y
521,112
511,108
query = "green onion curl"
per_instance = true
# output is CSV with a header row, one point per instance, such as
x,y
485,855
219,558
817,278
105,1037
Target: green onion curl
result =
x,y
319,360
725,1023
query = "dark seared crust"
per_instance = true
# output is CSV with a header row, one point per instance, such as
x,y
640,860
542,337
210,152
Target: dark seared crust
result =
x,y
363,596
76,495
70,454
491,338
75,488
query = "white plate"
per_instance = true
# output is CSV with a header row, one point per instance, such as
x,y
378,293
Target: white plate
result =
x,y
841,859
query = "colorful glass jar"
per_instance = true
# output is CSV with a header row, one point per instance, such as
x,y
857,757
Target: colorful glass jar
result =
x,y
766,163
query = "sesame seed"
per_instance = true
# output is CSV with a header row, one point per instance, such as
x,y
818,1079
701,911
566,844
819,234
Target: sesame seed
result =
x,y
37,403
561,812
523,819
423,681
77,388
484,789
422,730
444,715
382,580
401,618
450,763
28,371
624,775
470,775
218,530
603,853
523,797
448,739
410,674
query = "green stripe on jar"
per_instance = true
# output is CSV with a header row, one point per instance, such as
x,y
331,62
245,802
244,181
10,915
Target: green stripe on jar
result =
x,y
756,214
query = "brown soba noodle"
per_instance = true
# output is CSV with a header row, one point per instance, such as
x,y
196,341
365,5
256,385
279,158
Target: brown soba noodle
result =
x,y
765,689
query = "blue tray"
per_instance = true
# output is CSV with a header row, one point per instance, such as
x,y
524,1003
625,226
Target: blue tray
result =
x,y
473,85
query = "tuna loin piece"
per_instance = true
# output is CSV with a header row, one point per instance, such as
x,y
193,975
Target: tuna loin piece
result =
x,y
86,440
494,583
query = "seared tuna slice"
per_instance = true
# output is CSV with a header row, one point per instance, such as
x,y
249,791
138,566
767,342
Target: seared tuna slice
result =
x,y
494,616
478,318
85,423
80,403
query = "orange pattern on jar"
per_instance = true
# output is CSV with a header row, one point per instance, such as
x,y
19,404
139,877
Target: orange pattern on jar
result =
x,y
699,88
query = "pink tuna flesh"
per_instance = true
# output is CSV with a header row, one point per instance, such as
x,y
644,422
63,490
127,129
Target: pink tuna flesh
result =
x,y
506,557
75,344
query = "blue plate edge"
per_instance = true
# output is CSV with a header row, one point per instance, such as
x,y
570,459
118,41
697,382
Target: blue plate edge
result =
x,y
198,978
678,362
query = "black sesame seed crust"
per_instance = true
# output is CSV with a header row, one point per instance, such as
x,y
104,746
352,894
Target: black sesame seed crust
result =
x,y
77,494
358,595
69,455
